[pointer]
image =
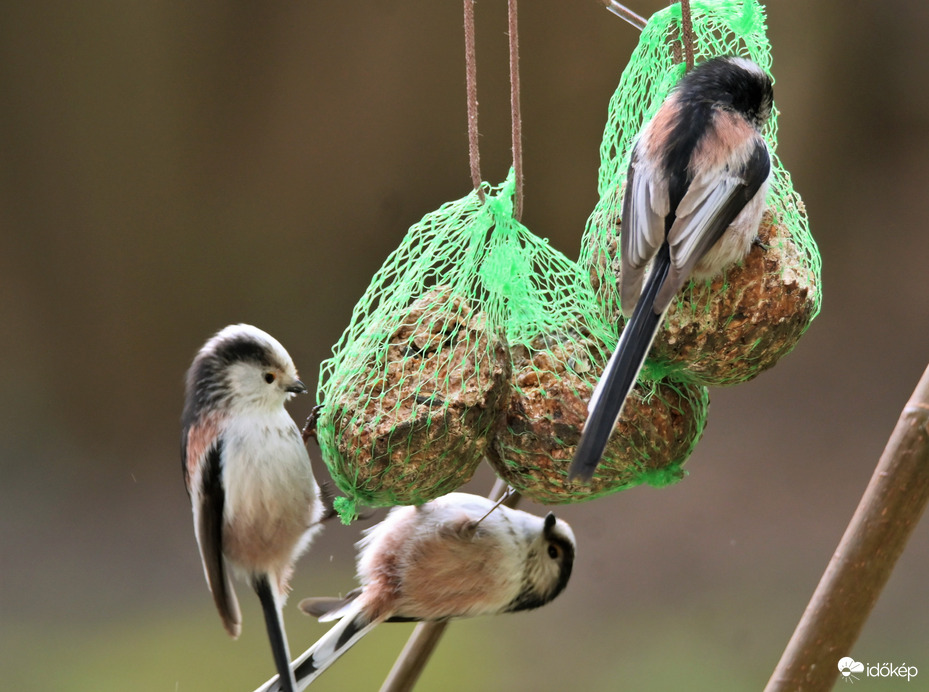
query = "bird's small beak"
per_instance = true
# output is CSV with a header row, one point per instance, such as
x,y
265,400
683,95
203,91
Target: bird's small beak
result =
x,y
296,388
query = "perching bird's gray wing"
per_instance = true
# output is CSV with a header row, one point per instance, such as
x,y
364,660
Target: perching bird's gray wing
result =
x,y
710,205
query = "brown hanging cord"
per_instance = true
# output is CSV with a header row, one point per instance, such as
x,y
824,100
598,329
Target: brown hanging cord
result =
x,y
515,116
419,647
687,34
474,153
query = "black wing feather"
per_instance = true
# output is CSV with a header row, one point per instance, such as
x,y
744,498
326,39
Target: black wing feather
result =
x,y
210,539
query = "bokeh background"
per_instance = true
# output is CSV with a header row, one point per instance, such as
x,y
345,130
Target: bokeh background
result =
x,y
172,167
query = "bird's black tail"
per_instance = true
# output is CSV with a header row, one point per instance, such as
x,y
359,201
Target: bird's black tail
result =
x,y
352,627
619,376
275,623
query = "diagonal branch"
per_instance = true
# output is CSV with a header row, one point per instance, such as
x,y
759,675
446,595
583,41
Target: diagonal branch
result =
x,y
875,538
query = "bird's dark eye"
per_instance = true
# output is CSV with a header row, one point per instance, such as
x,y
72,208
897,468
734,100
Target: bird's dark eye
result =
x,y
269,377
553,551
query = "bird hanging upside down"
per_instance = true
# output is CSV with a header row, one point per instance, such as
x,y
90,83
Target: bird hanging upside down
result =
x,y
457,556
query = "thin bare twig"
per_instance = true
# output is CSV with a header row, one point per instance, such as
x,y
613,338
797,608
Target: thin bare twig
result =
x,y
875,538
625,13
419,647
474,154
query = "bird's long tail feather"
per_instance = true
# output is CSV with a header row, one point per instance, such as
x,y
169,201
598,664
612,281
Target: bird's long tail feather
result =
x,y
276,635
324,652
619,376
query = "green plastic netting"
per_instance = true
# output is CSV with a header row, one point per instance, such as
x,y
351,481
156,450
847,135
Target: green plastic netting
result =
x,y
559,346
729,329
476,338
415,384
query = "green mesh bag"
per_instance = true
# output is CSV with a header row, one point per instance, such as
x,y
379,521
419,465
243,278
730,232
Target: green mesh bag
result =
x,y
477,338
416,381
731,328
559,346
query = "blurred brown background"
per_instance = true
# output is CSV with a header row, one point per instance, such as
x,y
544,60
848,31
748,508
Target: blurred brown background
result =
x,y
170,167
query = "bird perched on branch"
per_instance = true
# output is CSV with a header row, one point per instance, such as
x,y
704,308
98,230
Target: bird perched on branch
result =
x,y
459,555
695,194
256,505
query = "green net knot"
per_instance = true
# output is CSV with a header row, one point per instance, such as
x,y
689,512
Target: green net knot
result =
x,y
663,477
346,509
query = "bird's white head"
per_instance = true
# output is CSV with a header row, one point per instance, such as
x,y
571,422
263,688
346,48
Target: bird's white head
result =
x,y
548,562
242,368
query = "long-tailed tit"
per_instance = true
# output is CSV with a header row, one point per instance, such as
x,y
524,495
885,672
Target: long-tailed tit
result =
x,y
694,198
457,556
256,505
